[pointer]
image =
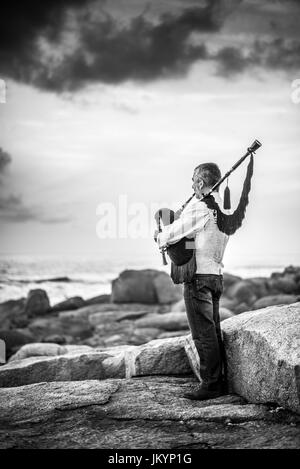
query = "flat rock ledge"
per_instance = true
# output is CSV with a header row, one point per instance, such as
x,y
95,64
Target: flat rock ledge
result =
x,y
72,363
145,412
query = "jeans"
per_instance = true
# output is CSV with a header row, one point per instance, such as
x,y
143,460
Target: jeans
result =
x,y
201,296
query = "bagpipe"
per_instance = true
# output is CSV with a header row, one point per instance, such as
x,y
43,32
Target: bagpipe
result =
x,y
182,253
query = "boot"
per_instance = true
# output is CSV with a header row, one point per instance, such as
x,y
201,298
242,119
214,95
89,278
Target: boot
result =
x,y
206,392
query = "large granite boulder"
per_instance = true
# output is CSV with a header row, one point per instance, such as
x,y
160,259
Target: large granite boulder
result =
x,y
229,280
78,327
273,300
260,286
95,300
146,412
38,350
158,357
293,270
134,287
12,312
37,303
146,286
14,339
74,302
263,354
242,292
65,367
286,282
166,291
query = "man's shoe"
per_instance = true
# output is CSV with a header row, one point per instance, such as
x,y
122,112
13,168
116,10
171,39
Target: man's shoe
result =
x,y
204,393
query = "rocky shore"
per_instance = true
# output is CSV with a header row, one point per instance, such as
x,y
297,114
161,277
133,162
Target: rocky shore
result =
x,y
110,372
143,305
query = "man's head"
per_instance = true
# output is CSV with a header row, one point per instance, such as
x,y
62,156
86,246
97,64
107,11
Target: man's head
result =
x,y
205,177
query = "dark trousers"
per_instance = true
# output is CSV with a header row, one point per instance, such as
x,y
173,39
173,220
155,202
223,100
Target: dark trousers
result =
x,y
201,296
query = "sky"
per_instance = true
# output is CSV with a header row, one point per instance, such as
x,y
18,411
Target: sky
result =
x,y
113,104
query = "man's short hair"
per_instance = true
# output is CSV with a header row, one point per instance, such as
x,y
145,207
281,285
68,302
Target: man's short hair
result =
x,y
209,172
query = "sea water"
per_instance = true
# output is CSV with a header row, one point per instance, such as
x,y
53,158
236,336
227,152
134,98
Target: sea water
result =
x,y
85,276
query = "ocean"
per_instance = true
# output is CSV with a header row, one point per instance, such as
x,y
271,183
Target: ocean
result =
x,y
85,276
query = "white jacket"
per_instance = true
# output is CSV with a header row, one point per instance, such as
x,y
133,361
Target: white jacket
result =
x,y
197,220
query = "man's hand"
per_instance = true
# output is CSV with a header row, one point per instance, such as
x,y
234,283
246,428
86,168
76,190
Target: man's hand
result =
x,y
177,214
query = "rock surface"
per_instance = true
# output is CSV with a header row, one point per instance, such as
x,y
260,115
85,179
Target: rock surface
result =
x,y
148,412
262,351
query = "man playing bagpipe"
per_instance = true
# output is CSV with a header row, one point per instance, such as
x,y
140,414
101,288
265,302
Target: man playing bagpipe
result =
x,y
196,242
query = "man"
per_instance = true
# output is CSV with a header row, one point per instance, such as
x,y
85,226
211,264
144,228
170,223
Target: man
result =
x,y
202,293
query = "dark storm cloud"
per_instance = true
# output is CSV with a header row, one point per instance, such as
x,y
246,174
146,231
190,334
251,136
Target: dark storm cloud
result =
x,y
21,23
280,54
143,47
231,61
141,51
108,51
